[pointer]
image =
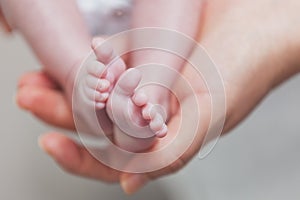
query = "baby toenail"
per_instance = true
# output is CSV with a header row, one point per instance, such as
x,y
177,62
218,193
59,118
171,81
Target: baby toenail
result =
x,y
100,105
162,133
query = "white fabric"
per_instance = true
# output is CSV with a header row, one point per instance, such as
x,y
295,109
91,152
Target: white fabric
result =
x,y
106,17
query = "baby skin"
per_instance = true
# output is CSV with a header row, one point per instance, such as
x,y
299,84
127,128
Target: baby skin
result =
x,y
136,121
61,44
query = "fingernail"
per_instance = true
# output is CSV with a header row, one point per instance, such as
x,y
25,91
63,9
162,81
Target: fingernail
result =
x,y
134,183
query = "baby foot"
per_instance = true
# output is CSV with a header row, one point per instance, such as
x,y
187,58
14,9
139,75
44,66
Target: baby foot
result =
x,y
137,121
93,86
102,74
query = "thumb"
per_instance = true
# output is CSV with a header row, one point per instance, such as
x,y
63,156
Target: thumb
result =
x,y
131,183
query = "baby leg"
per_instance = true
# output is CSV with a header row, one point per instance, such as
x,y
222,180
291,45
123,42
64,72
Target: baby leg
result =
x,y
59,37
54,29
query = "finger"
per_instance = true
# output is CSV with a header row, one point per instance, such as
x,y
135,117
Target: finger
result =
x,y
47,104
75,159
36,79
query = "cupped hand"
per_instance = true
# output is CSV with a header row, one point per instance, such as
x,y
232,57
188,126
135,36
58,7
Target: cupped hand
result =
x,y
253,43
40,95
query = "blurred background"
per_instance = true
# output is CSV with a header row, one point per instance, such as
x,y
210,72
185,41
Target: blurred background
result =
x,y
258,160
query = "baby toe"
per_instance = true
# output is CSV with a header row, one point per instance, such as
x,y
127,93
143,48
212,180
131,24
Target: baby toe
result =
x,y
140,99
117,67
99,105
96,69
148,112
101,97
102,50
91,82
156,123
103,85
92,94
110,77
162,132
128,82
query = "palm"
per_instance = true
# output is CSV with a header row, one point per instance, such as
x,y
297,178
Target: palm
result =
x,y
240,37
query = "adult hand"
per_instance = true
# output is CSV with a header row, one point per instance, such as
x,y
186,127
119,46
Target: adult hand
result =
x,y
254,43
255,46
40,95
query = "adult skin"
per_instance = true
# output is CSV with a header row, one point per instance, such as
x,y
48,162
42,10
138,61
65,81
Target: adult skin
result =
x,y
254,44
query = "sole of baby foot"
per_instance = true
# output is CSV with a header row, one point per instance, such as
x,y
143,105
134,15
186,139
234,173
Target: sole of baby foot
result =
x,y
129,109
102,74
